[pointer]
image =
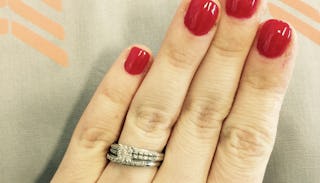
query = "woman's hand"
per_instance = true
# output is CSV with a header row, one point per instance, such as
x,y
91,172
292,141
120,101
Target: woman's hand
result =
x,y
212,97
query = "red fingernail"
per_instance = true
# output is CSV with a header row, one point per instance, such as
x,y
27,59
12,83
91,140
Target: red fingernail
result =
x,y
274,38
201,16
136,61
241,8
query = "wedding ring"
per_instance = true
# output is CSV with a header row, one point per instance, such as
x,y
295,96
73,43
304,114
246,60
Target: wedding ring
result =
x,y
133,156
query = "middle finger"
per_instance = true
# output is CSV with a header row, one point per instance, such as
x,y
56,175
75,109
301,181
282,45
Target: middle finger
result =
x,y
194,139
158,101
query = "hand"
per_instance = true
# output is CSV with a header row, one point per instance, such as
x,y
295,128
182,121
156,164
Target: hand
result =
x,y
211,99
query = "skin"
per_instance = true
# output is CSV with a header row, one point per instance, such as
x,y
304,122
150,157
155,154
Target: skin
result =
x,y
213,101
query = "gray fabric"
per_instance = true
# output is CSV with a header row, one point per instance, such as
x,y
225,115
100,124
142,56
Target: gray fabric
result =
x,y
41,102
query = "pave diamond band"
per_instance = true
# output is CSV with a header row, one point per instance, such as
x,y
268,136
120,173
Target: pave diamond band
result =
x,y
132,156
115,159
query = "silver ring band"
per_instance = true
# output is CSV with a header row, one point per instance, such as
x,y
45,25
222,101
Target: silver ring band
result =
x,y
132,156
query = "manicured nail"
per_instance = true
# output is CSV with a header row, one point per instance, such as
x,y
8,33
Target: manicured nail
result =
x,y
241,8
274,38
137,61
201,16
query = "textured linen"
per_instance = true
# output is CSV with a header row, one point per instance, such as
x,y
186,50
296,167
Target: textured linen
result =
x,y
41,101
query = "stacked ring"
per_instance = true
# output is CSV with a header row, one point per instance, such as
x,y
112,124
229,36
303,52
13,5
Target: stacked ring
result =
x,y
132,156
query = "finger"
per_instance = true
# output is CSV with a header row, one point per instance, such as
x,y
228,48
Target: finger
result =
x,y
211,95
159,99
102,120
248,134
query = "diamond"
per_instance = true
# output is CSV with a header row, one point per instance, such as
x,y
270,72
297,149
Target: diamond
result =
x,y
125,154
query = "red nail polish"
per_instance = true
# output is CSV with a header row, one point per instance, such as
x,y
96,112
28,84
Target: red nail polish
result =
x,y
137,61
274,38
241,8
201,16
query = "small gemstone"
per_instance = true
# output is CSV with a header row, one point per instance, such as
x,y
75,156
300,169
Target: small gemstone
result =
x,y
135,156
125,154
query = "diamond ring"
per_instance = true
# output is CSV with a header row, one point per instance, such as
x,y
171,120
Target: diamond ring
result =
x,y
132,156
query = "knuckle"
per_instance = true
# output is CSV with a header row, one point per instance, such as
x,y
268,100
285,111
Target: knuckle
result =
x,y
229,49
114,95
266,82
179,57
205,113
152,119
96,136
248,141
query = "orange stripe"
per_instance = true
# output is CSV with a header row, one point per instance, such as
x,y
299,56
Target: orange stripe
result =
x,y
36,18
56,4
4,26
40,44
3,3
301,26
304,8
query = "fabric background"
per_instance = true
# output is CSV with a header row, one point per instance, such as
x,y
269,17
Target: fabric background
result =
x,y
41,101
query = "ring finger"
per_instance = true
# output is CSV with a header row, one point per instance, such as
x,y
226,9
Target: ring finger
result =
x,y
158,101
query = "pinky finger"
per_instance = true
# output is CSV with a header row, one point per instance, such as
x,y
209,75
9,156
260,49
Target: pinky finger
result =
x,y
102,120
248,133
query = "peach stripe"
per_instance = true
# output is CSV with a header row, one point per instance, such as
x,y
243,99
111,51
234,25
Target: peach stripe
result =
x,y
36,18
301,26
304,8
40,44
4,26
56,4
3,3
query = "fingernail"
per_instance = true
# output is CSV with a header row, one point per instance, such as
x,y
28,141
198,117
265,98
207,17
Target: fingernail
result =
x,y
274,38
201,16
137,61
241,8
